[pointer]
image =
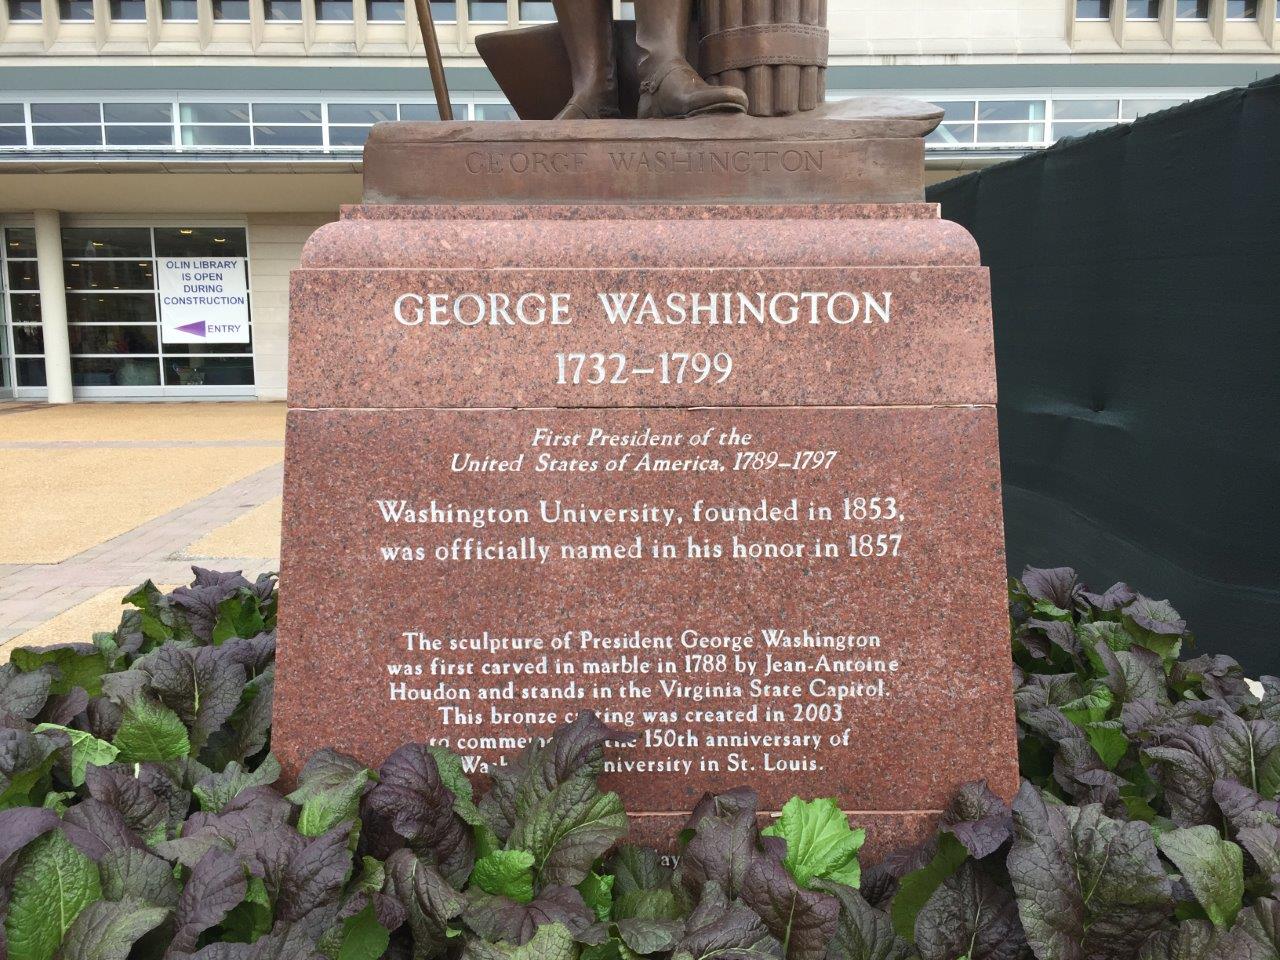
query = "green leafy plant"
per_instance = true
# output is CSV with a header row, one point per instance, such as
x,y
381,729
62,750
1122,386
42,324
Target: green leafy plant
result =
x,y
140,818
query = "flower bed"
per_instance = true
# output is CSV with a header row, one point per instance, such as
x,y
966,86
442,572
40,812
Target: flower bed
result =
x,y
138,818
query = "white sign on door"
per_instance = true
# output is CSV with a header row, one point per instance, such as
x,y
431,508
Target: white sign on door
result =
x,y
203,299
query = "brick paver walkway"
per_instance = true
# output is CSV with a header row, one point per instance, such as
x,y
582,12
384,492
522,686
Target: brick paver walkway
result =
x,y
33,594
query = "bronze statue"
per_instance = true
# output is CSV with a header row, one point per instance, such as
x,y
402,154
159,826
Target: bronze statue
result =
x,y
669,85
767,58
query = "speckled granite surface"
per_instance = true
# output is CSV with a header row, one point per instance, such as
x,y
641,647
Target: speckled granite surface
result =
x,y
382,411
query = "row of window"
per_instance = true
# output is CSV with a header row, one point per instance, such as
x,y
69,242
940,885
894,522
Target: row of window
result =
x,y
1036,122
341,127
112,309
1152,9
260,125
284,11
495,11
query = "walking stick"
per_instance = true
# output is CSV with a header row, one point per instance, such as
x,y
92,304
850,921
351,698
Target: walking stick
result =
x,y
438,85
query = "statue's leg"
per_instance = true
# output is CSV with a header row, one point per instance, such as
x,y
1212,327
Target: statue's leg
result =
x,y
669,86
587,29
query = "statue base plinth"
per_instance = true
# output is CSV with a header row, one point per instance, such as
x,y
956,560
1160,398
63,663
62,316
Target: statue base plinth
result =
x,y
729,159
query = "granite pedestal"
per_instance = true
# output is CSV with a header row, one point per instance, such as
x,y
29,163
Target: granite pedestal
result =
x,y
725,473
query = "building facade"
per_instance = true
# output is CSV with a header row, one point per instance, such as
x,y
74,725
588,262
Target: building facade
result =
x,y
159,156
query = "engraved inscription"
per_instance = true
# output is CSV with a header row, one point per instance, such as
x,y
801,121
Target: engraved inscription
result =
x,y
726,160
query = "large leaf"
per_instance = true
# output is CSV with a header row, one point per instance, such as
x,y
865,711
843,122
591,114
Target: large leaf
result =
x,y
413,803
449,767
73,664
25,763
142,809
499,919
52,883
201,685
1058,587
1157,626
105,823
1087,886
1187,761
218,789
1212,867
725,840
1256,935
361,936
917,886
722,930
576,751
427,899
107,930
568,828
19,826
980,820
820,843
23,694
637,870
864,933
971,915
804,921
86,750
1192,940
314,876
150,731
552,942
216,885
133,874
505,873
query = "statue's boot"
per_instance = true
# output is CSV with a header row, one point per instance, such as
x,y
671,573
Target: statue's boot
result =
x,y
669,86
587,29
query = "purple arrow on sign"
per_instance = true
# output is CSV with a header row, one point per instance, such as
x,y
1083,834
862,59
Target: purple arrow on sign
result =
x,y
195,329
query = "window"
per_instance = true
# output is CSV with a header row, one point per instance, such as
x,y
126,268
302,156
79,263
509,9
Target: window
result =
x,y
388,11
114,310
1133,109
537,11
429,111
1093,9
25,11
22,289
339,10
1010,121
1242,9
957,123
234,11
350,123
495,111
178,11
488,11
1075,118
287,125
1193,9
13,129
282,11
75,9
215,124
66,124
138,124
262,125
1142,10
128,10
445,11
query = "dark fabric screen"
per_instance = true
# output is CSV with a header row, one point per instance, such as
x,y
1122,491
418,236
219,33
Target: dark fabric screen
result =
x,y
1136,290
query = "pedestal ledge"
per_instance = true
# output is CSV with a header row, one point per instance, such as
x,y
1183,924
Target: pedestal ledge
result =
x,y
716,160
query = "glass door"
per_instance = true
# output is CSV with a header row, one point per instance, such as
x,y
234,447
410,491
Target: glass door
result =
x,y
22,336
124,282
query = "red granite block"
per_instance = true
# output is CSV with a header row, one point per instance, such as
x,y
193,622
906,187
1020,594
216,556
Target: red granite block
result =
x,y
786,570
